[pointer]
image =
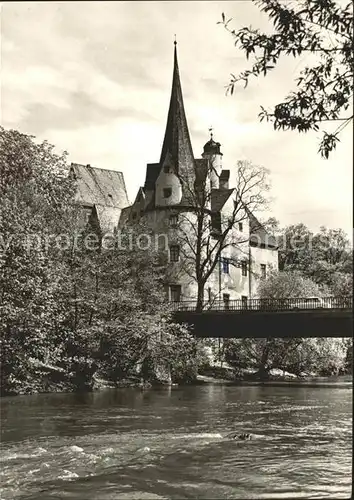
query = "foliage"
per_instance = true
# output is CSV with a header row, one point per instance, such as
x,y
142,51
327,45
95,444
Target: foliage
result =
x,y
320,356
68,308
326,257
323,356
322,28
35,208
287,284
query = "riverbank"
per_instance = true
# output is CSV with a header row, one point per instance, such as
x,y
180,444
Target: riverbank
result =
x,y
248,376
216,375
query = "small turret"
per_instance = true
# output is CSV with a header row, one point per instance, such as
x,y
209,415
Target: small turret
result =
x,y
168,186
213,154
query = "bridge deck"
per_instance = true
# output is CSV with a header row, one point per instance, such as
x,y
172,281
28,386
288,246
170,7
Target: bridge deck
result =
x,y
279,318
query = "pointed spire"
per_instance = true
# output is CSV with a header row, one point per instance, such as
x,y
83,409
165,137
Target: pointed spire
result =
x,y
177,140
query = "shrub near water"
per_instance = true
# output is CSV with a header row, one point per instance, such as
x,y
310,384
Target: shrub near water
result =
x,y
322,356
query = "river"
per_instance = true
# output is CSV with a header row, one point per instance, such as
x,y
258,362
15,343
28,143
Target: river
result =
x,y
169,443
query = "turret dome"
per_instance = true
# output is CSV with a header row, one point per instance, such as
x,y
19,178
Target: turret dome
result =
x,y
212,147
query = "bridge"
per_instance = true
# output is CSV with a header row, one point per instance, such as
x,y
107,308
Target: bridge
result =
x,y
264,318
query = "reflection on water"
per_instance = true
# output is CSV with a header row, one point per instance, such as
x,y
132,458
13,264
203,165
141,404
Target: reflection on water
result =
x,y
170,443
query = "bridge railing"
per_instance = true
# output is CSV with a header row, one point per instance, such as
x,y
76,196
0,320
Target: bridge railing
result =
x,y
288,304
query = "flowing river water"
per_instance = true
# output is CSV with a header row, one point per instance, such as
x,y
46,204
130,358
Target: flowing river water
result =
x,y
170,443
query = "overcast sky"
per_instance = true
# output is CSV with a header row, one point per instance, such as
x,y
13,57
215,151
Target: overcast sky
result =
x,y
94,78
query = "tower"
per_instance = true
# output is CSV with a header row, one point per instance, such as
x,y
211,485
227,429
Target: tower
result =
x,y
211,151
177,164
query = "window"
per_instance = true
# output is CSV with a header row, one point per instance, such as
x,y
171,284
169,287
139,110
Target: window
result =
x,y
110,197
240,226
175,293
167,192
244,267
134,215
225,265
263,271
174,253
226,300
166,169
173,220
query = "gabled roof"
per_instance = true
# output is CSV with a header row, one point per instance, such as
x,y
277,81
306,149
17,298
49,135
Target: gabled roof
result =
x,y
124,216
96,186
108,217
258,234
177,140
219,197
152,173
141,193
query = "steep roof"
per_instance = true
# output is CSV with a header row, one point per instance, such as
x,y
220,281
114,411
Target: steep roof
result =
x,y
258,234
140,193
96,186
177,140
152,173
124,216
108,217
219,197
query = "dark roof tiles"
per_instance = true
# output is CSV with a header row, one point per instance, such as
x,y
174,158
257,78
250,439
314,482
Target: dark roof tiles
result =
x,y
96,186
219,197
259,235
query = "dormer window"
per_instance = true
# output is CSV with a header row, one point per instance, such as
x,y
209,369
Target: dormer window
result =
x,y
167,192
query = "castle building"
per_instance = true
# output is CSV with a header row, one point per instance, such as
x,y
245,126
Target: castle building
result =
x,y
189,200
167,202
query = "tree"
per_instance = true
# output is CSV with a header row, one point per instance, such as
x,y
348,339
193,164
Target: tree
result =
x,y
208,229
324,91
35,210
117,316
326,257
287,284
295,251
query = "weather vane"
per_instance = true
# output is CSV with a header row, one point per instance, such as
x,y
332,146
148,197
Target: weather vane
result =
x,y
175,42
211,132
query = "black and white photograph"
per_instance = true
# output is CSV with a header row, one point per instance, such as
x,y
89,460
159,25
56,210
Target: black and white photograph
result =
x,y
176,249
